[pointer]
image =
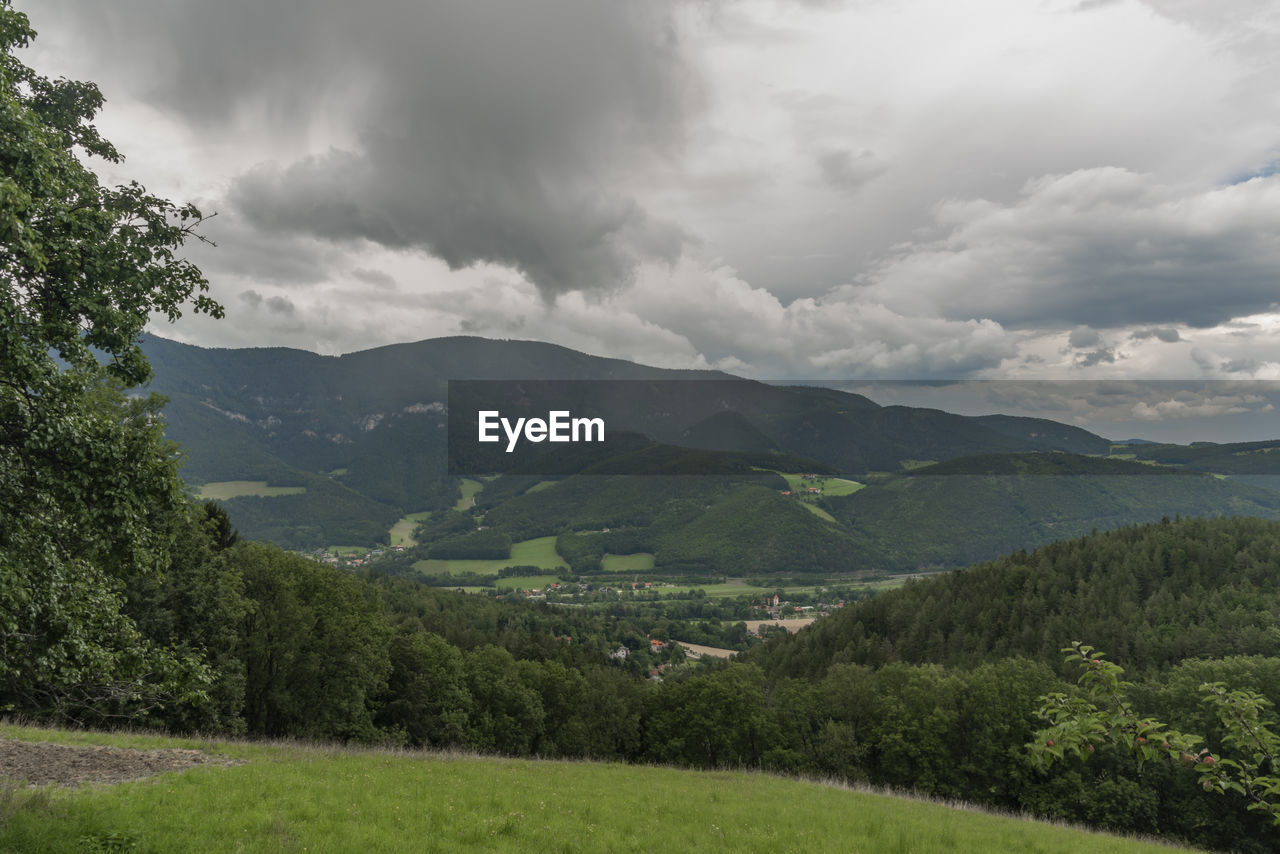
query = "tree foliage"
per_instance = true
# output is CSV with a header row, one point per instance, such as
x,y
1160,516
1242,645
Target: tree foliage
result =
x,y
87,481
1103,715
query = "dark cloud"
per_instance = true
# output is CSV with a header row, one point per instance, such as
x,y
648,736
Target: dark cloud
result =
x,y
1083,336
377,278
487,131
1240,366
280,305
1096,357
1102,248
1166,334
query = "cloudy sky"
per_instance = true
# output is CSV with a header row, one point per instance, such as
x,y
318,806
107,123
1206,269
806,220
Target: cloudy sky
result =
x,y
996,189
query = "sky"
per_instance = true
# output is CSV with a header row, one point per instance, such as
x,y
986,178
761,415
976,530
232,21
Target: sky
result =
x,y
820,189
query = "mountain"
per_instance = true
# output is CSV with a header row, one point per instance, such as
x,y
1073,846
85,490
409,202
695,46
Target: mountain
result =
x,y
1236,458
361,440
243,413
962,511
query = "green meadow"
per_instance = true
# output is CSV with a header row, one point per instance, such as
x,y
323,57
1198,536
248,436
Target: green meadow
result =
x,y
223,489
830,485
402,531
539,552
525,582
469,490
639,562
331,799
818,511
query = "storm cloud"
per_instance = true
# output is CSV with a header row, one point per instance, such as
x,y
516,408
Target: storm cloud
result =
x,y
491,130
804,188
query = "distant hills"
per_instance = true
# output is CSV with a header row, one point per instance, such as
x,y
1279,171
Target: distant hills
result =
x,y
366,434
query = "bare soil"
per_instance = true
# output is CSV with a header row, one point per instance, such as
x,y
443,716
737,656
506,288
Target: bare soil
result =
x,y
39,763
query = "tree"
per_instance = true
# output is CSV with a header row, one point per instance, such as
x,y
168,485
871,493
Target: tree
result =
x,y
1105,716
314,646
87,481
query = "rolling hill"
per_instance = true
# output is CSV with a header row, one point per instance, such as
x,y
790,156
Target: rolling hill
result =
x,y
365,438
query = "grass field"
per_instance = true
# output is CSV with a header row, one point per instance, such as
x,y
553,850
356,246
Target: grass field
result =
x,y
541,485
469,489
525,582
830,485
330,799
223,489
718,591
818,511
401,532
540,552
639,562
347,550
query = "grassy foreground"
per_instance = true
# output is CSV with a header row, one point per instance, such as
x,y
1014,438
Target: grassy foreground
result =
x,y
293,798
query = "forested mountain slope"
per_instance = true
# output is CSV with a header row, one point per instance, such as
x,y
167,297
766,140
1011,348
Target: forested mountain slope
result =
x,y
1150,595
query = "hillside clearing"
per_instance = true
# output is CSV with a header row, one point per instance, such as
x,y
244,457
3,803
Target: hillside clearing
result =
x,y
539,552
226,489
470,488
334,799
401,533
638,562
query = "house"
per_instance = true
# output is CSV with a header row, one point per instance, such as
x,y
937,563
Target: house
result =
x,y
620,653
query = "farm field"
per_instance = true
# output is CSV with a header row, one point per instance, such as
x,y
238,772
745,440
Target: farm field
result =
x,y
469,490
719,590
225,489
330,798
639,562
402,531
828,485
525,582
539,552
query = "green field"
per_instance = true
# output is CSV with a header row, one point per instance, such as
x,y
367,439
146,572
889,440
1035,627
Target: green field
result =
x,y
525,582
639,562
469,490
223,489
830,485
818,511
540,552
402,531
716,591
334,799
541,485
347,550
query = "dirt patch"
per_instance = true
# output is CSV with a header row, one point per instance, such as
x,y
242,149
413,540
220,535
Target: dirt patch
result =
x,y
38,763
